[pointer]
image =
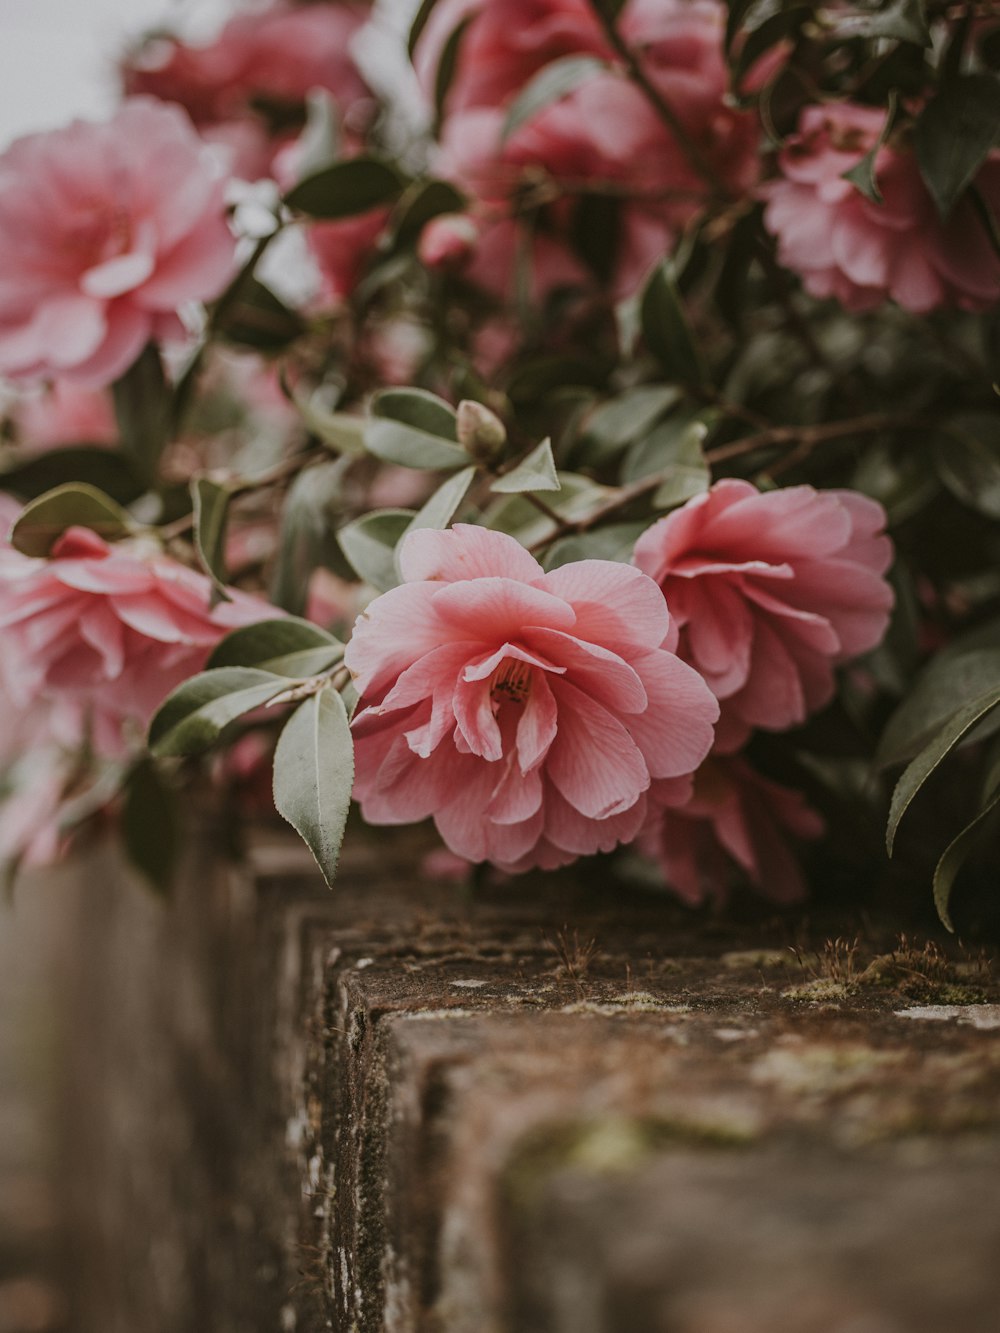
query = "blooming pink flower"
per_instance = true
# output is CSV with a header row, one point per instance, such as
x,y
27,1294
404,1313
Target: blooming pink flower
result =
x,y
108,630
271,58
343,249
527,712
65,413
105,230
735,821
770,590
845,246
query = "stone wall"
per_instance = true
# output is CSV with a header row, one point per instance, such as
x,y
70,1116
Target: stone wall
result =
x,y
534,1108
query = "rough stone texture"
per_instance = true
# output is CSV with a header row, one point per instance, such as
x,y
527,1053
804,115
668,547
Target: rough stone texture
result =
x,y
404,1108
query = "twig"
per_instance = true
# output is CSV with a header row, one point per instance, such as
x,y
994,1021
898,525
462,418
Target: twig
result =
x,y
288,467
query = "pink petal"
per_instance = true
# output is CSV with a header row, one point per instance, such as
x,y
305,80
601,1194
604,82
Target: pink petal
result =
x,y
465,552
593,762
616,605
676,731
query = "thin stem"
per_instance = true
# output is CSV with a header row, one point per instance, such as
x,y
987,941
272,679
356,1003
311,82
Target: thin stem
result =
x,y
696,158
809,436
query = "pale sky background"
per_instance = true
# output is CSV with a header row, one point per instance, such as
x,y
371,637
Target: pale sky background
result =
x,y
57,56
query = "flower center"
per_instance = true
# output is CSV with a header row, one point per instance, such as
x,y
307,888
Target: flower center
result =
x,y
512,681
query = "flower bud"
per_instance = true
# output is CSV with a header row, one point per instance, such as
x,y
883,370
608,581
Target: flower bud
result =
x,y
480,431
447,241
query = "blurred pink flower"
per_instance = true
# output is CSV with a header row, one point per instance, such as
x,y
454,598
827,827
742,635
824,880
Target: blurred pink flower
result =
x,y
64,413
735,821
605,131
527,712
770,590
845,246
107,630
105,230
343,250
260,63
29,827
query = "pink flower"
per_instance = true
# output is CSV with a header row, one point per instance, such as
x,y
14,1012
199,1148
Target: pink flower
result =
x,y
343,250
527,712
845,246
107,630
770,591
735,821
258,68
64,413
105,230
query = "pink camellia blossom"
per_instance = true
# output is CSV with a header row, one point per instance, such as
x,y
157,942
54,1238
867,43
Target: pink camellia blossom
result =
x,y
107,631
64,413
344,249
527,712
240,88
770,591
736,821
860,252
105,231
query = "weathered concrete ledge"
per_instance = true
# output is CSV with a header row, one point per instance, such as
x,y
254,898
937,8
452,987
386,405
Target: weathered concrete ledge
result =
x,y
398,1107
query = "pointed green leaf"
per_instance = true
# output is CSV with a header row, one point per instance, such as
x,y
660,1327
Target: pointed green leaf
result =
x,y
954,133
309,517
934,699
193,716
341,432
211,511
931,756
314,775
370,543
537,472
150,824
447,64
74,505
955,856
423,201
347,189
666,330
440,509
614,541
142,410
676,442
551,84
287,647
615,424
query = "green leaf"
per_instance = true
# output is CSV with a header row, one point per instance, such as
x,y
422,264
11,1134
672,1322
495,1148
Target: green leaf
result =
x,y
967,460
537,472
440,509
423,201
370,543
862,174
674,443
314,775
666,330
211,511
931,756
342,432
954,133
42,522
286,647
150,823
934,699
194,715
618,422
142,400
551,84
255,317
517,516
447,64
308,521
954,857
615,541
347,189
415,429
902,20
105,469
